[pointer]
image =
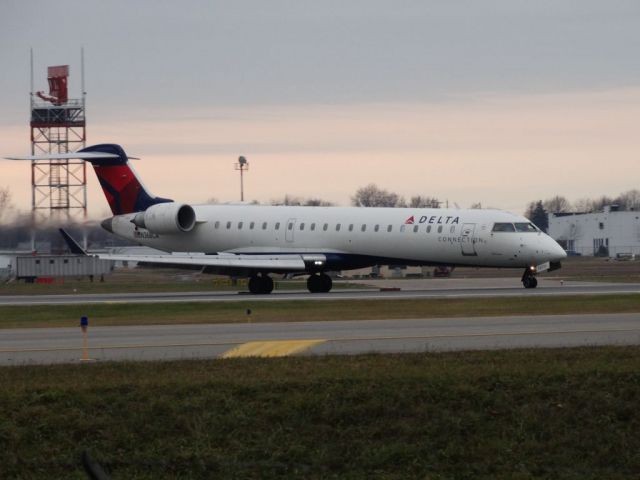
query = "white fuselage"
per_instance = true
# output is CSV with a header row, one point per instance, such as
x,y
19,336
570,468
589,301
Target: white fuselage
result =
x,y
370,235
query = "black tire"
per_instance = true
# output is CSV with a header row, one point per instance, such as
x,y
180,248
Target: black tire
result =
x,y
267,284
326,283
260,285
313,284
254,284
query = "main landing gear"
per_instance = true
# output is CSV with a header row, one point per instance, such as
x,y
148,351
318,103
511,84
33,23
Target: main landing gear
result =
x,y
260,284
529,279
319,283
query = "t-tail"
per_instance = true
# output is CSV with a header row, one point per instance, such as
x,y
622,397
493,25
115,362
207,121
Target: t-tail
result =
x,y
120,184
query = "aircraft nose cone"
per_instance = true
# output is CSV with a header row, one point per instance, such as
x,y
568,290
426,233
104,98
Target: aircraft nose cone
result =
x,y
556,252
107,224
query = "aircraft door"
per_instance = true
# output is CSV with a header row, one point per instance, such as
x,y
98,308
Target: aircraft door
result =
x,y
468,242
291,227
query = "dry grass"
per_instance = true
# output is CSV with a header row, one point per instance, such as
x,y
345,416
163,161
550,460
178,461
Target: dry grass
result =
x,y
296,311
565,414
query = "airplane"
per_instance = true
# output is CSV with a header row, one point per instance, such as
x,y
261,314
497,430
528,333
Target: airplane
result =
x,y
256,241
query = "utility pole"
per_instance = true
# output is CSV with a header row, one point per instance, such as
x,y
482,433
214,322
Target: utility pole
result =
x,y
242,165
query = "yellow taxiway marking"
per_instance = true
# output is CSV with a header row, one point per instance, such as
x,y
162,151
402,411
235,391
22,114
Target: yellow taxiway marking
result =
x,y
275,348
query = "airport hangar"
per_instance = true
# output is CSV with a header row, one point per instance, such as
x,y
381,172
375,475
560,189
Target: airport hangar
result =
x,y
612,232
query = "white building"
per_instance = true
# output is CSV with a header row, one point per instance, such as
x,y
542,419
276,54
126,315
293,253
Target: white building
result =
x,y
610,231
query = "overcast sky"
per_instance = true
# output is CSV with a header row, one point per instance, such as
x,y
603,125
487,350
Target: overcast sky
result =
x,y
495,101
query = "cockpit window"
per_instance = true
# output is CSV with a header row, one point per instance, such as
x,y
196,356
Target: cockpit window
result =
x,y
525,227
503,227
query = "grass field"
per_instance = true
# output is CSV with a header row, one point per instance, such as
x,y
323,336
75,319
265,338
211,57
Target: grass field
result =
x,y
297,311
566,414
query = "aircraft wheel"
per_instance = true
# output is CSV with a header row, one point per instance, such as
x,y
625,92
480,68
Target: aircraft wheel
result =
x,y
326,283
262,284
267,284
319,283
313,283
530,282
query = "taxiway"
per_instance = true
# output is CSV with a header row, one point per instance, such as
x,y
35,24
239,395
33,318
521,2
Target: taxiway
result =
x,y
171,342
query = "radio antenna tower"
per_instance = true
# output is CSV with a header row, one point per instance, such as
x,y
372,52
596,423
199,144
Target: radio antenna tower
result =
x,y
58,125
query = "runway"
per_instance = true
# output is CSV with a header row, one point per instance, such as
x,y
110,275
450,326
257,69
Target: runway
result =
x,y
476,288
170,342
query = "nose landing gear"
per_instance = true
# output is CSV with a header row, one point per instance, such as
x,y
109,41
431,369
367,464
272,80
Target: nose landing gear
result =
x,y
529,279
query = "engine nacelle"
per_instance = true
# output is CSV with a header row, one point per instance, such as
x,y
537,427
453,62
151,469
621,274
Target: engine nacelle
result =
x,y
164,218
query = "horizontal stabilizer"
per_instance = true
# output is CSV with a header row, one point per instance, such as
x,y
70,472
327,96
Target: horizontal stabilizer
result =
x,y
65,156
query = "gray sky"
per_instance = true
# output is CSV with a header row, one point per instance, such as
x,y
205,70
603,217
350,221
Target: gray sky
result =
x,y
256,61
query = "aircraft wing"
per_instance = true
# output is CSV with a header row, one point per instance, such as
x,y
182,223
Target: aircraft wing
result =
x,y
226,263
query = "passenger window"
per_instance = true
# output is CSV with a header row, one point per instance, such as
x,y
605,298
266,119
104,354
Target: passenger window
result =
x,y
302,226
402,228
363,228
452,229
325,226
389,228
313,227
228,225
503,227
290,226
37,262
264,225
351,227
376,228
428,228
415,228
337,227
440,229
277,225
216,225
239,225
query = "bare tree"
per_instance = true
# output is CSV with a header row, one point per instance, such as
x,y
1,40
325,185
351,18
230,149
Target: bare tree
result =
x,y
419,201
629,200
317,202
299,201
557,204
598,204
6,206
583,205
373,196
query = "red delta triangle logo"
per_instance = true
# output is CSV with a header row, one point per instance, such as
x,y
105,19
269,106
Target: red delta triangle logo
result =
x,y
409,221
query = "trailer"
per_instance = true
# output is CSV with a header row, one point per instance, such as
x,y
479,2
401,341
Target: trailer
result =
x,y
30,268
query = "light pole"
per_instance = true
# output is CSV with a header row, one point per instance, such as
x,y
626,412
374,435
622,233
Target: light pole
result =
x,y
242,165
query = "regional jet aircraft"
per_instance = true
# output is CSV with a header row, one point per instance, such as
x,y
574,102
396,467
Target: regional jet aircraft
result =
x,y
255,241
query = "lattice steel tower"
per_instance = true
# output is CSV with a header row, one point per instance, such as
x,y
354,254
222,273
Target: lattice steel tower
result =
x,y
58,125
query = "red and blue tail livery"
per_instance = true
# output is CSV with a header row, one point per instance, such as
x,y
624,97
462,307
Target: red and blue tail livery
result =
x,y
123,189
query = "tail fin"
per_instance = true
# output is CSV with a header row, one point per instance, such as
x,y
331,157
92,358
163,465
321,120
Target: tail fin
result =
x,y
120,184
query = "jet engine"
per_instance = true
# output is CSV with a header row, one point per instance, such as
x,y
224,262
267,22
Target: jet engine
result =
x,y
163,218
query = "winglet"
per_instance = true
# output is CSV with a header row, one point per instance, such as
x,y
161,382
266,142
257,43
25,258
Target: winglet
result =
x,y
71,243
